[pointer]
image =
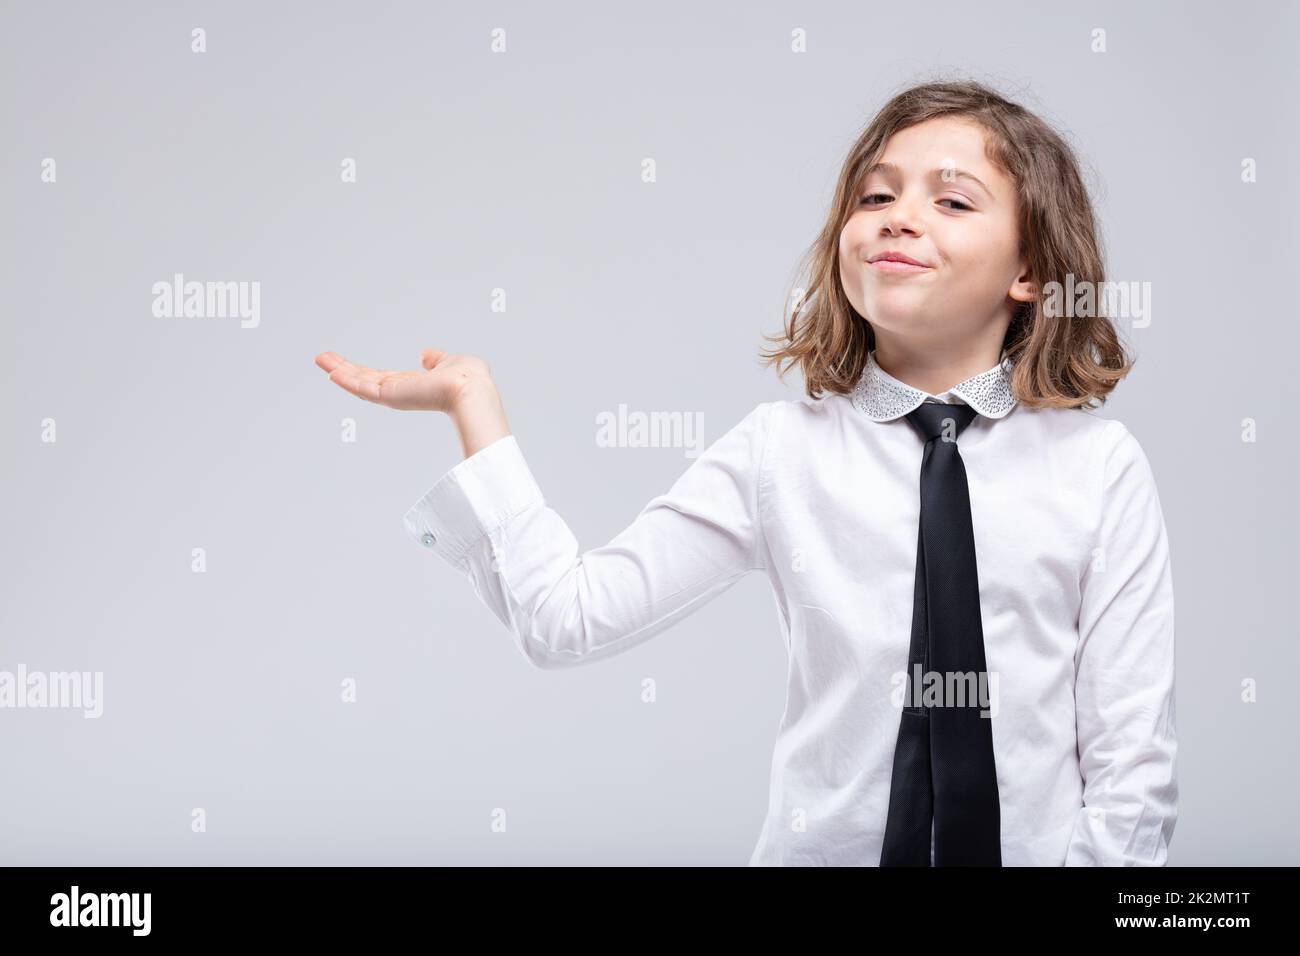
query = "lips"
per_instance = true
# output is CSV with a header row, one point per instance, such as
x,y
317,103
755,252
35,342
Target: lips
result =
x,y
898,268
898,257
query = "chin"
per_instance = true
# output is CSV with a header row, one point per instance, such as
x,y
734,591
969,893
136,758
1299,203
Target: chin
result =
x,y
894,315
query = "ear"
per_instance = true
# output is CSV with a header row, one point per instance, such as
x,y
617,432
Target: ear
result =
x,y
1024,288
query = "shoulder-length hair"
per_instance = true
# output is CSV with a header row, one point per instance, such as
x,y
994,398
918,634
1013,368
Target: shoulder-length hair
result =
x,y
1058,362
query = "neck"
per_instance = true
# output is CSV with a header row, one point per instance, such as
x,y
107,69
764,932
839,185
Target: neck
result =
x,y
935,367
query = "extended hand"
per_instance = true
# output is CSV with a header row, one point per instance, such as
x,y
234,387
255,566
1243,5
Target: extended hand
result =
x,y
439,388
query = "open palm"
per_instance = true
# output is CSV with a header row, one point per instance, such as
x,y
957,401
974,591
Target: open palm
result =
x,y
438,388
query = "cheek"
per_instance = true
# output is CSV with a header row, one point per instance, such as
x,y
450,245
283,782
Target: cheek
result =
x,y
845,263
846,243
850,249
990,253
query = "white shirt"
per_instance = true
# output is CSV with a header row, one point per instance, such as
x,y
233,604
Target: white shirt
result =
x,y
822,497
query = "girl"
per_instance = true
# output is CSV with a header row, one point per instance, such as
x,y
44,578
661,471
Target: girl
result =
x,y
944,517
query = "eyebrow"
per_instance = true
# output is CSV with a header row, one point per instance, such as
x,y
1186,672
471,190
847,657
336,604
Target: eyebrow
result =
x,y
936,173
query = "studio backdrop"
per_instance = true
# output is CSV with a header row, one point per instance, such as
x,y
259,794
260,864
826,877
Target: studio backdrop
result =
x,y
608,203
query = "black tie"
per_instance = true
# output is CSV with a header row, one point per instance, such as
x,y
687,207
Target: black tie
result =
x,y
943,763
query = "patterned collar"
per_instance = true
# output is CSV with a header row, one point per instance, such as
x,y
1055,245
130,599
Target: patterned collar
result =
x,y
882,398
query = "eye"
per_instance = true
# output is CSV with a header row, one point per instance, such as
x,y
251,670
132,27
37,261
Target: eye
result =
x,y
867,201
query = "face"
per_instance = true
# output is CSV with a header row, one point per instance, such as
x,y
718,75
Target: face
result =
x,y
936,199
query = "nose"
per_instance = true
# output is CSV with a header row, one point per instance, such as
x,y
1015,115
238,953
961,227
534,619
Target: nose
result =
x,y
901,218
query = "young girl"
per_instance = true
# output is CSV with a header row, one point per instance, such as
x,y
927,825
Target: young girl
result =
x,y
944,516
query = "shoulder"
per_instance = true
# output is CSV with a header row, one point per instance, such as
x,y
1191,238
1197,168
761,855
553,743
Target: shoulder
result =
x,y
786,414
1115,441
1081,440
782,430
805,411
794,421
1121,461
1085,430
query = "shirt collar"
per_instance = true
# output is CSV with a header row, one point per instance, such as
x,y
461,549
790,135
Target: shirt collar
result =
x,y
882,398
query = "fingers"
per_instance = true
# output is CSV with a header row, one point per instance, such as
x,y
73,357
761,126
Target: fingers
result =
x,y
332,360
359,384
381,386
349,381
361,380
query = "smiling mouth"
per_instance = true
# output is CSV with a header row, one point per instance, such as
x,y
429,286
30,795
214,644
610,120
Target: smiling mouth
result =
x,y
893,265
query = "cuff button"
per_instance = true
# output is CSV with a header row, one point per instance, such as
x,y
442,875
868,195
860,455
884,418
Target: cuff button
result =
x,y
427,540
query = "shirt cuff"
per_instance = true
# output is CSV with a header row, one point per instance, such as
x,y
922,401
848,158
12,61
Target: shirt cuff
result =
x,y
472,500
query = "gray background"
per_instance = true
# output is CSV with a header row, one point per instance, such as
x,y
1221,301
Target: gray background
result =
x,y
521,170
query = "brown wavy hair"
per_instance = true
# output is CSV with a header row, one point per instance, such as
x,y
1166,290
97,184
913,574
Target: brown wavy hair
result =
x,y
1057,363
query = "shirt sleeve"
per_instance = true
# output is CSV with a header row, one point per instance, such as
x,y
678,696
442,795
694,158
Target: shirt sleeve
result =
x,y
1124,673
487,517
